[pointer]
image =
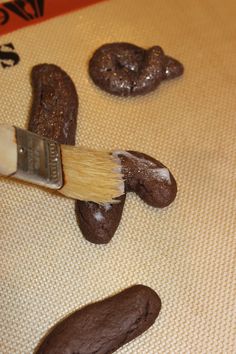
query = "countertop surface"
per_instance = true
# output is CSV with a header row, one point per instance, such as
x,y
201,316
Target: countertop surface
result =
x,y
185,252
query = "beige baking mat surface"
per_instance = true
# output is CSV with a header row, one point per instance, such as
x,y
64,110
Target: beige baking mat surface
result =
x,y
187,252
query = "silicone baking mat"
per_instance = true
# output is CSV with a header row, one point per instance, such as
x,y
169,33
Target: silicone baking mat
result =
x,y
187,252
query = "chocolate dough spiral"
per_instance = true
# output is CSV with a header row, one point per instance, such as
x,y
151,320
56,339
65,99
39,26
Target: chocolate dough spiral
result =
x,y
125,69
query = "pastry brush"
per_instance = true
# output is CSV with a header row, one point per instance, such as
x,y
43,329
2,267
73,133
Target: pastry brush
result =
x,y
75,172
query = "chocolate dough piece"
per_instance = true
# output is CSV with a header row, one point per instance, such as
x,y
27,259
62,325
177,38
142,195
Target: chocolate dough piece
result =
x,y
148,178
125,69
55,104
173,68
103,327
145,176
54,115
98,223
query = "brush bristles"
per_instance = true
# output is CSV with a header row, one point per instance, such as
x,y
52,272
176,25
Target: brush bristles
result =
x,y
91,175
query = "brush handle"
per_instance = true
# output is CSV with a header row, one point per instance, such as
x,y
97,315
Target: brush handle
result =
x,y
8,150
30,157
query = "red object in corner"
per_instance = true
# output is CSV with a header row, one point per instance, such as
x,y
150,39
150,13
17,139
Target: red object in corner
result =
x,y
18,14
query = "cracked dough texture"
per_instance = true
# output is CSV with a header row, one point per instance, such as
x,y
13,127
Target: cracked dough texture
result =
x,y
103,327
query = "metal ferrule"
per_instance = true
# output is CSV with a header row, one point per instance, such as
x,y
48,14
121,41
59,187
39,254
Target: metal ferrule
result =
x,y
38,160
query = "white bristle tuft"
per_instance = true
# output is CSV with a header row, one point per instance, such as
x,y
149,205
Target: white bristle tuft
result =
x,y
91,175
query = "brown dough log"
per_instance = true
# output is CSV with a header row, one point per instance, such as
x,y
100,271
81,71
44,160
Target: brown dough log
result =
x,y
105,326
55,104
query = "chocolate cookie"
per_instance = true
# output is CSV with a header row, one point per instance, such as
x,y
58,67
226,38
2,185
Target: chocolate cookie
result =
x,y
145,176
55,104
125,69
105,326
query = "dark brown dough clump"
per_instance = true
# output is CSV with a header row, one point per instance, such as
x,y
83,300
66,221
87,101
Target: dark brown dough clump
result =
x,y
98,223
125,69
148,178
55,104
54,115
145,176
105,326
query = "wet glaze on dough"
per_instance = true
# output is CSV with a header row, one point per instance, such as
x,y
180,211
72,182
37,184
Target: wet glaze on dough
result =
x,y
147,177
